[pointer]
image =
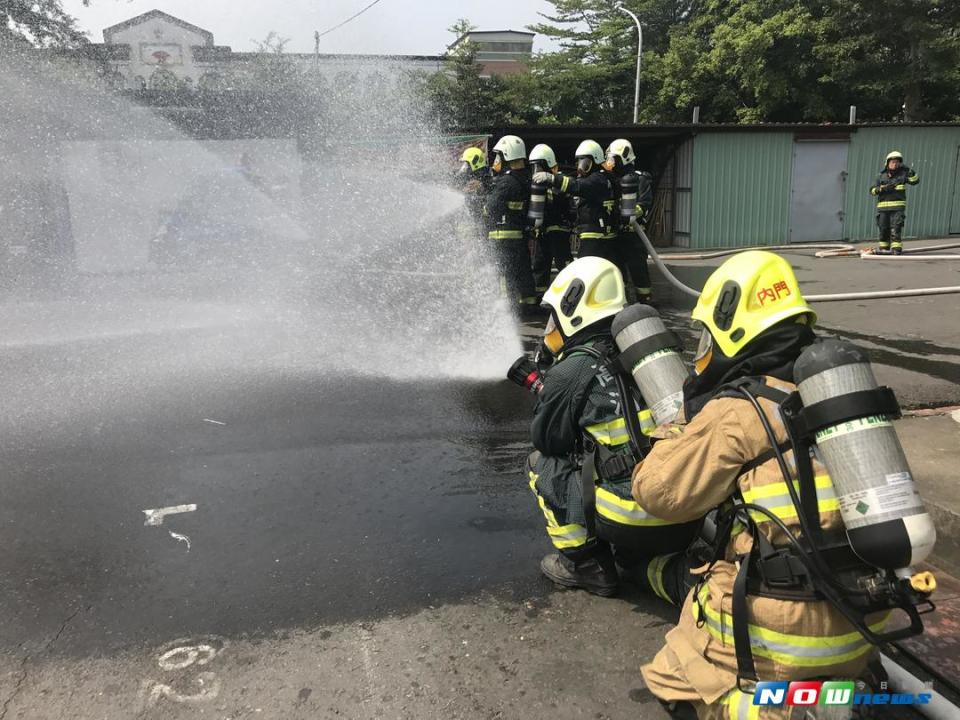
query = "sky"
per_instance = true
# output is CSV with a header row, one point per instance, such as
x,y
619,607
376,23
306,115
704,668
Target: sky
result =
x,y
402,27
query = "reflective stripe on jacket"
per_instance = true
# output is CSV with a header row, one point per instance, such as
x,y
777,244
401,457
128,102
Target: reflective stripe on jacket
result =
x,y
893,196
688,474
594,202
505,211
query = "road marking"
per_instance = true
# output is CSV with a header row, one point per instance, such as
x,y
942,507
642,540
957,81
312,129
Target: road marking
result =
x,y
209,690
213,422
180,538
156,515
180,658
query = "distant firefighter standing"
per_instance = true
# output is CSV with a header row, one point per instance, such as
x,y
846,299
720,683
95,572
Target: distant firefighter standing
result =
x,y
890,190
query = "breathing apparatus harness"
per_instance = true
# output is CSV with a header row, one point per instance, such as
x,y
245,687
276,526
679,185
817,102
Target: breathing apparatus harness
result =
x,y
809,568
596,459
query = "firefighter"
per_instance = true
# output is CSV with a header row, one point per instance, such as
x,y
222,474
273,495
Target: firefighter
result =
x,y
473,177
594,200
620,163
505,213
890,189
753,324
581,469
553,238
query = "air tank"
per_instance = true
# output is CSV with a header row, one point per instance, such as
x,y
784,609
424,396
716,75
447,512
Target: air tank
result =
x,y
884,515
538,203
654,359
629,188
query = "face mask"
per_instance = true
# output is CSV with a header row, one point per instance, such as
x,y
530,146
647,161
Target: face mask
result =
x,y
704,349
552,337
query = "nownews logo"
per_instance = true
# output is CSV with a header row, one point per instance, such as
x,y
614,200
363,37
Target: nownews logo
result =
x,y
834,692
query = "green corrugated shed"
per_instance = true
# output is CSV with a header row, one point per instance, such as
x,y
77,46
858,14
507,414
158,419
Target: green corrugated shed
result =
x,y
741,189
931,151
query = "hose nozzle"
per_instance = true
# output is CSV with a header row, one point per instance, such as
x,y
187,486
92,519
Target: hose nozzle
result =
x,y
525,374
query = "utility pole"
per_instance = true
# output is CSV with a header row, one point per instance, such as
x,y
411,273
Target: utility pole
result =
x,y
316,49
636,90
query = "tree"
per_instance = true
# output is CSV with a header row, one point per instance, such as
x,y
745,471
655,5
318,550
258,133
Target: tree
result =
x,y
43,23
272,68
591,78
745,60
461,98
890,55
460,28
753,60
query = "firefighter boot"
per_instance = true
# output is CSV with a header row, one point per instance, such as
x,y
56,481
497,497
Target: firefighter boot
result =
x,y
592,570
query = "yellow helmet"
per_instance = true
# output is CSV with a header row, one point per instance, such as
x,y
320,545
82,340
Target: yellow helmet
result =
x,y
747,294
475,157
583,293
895,155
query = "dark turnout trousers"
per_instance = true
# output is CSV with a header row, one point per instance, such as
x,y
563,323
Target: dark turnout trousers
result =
x,y
552,249
513,263
890,223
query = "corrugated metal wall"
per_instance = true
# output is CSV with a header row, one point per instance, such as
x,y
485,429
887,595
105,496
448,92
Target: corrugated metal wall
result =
x,y
932,152
741,189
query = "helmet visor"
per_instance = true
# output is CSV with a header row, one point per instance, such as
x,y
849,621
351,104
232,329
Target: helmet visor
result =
x,y
584,165
552,337
464,168
704,348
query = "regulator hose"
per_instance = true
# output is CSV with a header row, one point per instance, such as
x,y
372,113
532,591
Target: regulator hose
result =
x,y
830,297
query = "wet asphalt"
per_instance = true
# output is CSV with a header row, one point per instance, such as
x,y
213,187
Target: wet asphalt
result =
x,y
320,497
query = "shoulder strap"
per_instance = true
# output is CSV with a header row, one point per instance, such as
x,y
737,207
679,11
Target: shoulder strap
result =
x,y
756,386
601,355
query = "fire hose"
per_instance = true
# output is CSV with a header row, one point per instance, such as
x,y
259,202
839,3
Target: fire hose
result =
x,y
834,250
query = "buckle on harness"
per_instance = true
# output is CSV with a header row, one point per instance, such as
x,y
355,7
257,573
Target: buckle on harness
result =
x,y
782,570
615,466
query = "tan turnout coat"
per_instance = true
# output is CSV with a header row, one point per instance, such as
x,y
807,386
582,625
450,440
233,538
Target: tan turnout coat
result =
x,y
682,478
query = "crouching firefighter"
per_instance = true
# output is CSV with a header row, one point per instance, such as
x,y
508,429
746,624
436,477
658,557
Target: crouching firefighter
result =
x,y
589,430
813,549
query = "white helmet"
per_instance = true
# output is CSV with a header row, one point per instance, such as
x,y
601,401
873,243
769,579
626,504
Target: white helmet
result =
x,y
583,293
511,148
621,148
545,154
591,149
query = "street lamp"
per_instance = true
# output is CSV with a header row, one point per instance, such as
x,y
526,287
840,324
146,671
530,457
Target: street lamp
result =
x,y
636,90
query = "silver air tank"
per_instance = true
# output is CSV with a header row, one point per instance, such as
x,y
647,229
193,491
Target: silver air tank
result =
x,y
885,519
651,354
629,188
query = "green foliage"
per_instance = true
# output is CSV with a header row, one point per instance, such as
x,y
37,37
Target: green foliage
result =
x,y
43,23
463,100
738,60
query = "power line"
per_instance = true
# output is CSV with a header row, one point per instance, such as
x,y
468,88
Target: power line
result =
x,y
352,17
